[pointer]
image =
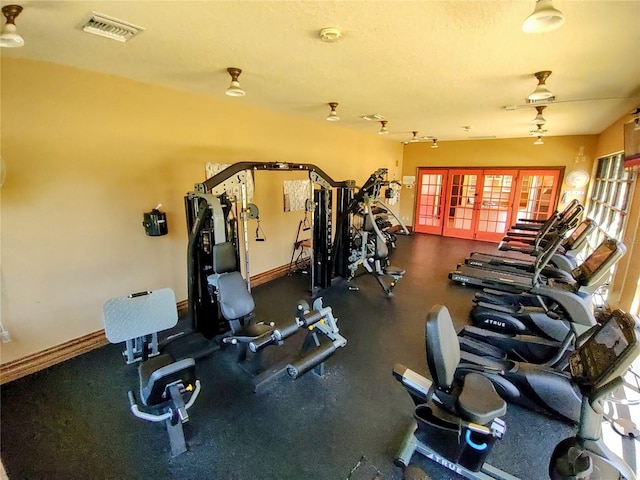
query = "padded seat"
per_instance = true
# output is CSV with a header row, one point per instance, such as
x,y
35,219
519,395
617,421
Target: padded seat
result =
x,y
235,300
158,373
474,398
478,401
248,333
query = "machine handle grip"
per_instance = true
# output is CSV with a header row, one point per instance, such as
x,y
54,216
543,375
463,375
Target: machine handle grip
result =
x,y
262,341
139,294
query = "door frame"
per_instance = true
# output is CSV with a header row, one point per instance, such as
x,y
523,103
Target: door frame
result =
x,y
515,191
431,229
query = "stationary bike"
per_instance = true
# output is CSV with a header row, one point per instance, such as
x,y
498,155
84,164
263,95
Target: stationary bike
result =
x,y
457,415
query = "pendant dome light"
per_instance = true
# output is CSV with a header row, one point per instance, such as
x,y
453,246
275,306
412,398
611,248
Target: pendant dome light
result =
x,y
545,18
333,115
234,89
538,141
541,92
539,119
414,138
9,37
435,143
383,128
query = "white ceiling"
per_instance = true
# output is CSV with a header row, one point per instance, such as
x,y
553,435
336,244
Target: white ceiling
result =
x,y
430,66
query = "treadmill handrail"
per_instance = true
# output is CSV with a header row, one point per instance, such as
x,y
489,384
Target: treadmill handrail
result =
x,y
545,257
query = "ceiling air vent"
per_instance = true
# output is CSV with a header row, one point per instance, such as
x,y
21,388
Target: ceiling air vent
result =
x,y
544,101
374,116
99,24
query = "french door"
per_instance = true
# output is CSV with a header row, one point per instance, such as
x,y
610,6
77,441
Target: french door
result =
x,y
480,203
430,205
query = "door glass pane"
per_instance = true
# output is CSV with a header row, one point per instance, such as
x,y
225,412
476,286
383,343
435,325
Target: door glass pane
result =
x,y
494,207
536,199
430,212
462,197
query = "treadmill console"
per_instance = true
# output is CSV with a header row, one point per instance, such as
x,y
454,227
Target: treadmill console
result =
x,y
607,353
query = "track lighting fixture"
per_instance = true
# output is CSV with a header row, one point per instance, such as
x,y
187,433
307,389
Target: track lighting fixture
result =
x,y
543,19
383,128
415,138
333,115
234,89
541,92
538,141
9,37
539,119
435,143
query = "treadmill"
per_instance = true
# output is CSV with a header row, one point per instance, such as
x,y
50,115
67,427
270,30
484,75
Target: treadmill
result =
x,y
593,268
563,259
502,280
526,242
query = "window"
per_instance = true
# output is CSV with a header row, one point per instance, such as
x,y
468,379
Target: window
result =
x,y
608,206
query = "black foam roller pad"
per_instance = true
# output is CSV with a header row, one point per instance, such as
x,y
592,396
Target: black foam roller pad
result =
x,y
313,317
303,364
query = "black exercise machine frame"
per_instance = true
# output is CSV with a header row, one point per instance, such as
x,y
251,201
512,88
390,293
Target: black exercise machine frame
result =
x,y
329,258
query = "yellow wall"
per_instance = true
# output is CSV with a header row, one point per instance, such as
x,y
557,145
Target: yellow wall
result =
x,y
88,153
624,289
612,139
513,152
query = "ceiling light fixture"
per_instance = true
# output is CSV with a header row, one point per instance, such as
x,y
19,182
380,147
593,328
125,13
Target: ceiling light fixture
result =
x,y
234,89
541,92
539,119
415,138
383,128
333,115
545,17
435,143
538,141
9,37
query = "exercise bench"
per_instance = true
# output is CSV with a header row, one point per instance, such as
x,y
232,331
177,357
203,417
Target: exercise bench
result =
x,y
167,388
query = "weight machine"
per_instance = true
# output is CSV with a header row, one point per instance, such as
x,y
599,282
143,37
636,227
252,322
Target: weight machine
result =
x,y
371,235
213,219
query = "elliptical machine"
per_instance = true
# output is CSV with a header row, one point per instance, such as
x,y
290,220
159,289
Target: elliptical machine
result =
x,y
597,367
